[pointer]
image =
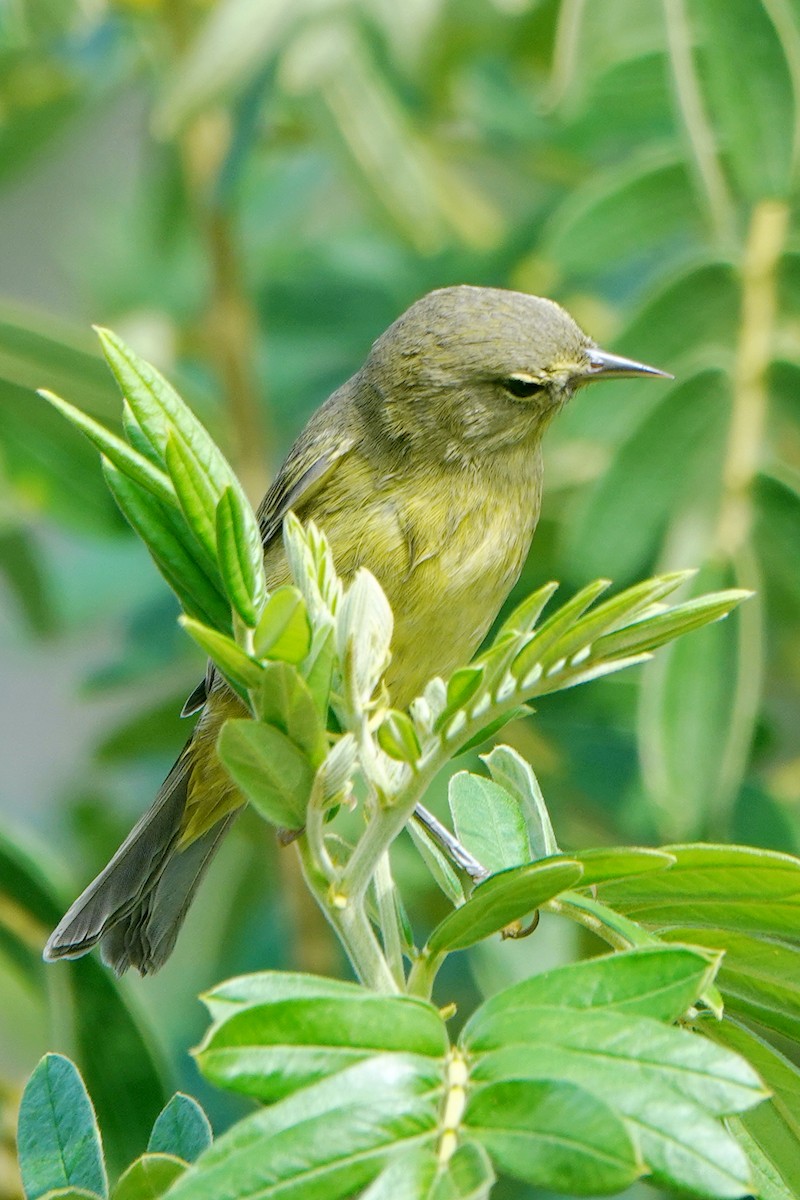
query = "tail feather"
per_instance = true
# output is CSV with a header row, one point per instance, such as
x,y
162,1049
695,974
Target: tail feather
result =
x,y
136,905
145,937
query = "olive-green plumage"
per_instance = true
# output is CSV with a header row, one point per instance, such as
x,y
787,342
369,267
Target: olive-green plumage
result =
x,y
425,467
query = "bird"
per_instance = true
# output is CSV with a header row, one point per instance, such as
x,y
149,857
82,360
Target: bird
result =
x,y
426,468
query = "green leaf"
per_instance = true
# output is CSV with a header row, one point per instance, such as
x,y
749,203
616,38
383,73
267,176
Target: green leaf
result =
x,y
488,821
242,574
547,636
687,426
327,1141
661,1079
284,700
272,1049
717,887
649,195
653,631
524,617
180,563
228,656
661,982
57,1136
275,776
503,898
155,404
35,347
128,461
618,862
318,667
22,565
727,59
270,987
760,977
420,1175
461,687
70,1193
621,610
632,1061
397,737
510,770
196,494
771,1131
136,438
181,1129
553,1135
283,631
149,1177
159,410
698,704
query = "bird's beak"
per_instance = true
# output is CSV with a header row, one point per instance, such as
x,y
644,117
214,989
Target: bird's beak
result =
x,y
603,365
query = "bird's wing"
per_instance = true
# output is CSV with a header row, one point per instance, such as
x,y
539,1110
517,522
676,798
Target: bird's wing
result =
x,y
295,487
309,464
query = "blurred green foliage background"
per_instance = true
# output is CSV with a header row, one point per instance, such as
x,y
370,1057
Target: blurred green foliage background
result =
x,y
249,191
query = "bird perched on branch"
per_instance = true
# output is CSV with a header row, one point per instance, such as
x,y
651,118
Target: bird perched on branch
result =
x,y
425,467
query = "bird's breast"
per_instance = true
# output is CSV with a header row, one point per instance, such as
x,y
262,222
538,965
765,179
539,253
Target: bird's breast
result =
x,y
460,548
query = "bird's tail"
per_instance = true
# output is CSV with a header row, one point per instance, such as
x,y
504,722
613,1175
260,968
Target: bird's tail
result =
x,y
136,905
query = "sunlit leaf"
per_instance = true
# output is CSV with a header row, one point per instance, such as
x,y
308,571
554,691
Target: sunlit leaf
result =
x,y
272,1049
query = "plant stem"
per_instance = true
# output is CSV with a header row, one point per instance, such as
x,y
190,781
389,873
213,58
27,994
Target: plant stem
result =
x,y
765,241
423,974
350,923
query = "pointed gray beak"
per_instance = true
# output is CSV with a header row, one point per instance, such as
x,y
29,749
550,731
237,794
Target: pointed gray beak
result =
x,y
603,365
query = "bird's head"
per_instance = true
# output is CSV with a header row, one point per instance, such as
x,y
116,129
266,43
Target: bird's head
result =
x,y
477,368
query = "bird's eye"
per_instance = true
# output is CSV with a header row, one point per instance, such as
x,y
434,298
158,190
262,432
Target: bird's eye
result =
x,y
522,387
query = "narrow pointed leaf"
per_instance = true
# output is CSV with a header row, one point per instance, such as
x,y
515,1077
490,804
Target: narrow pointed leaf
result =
x,y
651,632
525,615
127,460
542,646
179,563
196,494
243,579
228,656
